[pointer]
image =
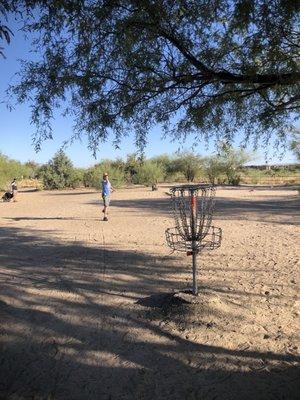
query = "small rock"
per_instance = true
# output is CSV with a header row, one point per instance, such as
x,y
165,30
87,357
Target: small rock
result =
x,y
186,298
266,337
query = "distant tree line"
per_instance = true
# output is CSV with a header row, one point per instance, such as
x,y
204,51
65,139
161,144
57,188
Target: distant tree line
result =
x,y
224,167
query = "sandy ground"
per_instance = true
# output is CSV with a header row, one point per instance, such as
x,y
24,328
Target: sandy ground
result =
x,y
83,310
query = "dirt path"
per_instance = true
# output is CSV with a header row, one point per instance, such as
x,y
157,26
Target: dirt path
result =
x,y
77,299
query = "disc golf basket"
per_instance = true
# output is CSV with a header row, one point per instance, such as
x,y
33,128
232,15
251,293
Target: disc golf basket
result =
x,y
193,232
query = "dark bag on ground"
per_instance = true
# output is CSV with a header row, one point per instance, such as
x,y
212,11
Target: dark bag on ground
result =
x,y
7,196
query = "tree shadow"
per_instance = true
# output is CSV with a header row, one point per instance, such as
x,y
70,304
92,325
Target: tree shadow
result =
x,y
257,188
71,328
49,218
285,208
73,193
152,205
279,210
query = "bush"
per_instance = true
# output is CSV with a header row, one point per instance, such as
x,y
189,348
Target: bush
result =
x,y
149,173
58,173
30,169
93,176
164,162
77,177
232,161
10,169
131,166
213,169
254,176
190,165
116,176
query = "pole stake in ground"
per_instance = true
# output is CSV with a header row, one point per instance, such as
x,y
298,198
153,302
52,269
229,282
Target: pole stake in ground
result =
x,y
193,232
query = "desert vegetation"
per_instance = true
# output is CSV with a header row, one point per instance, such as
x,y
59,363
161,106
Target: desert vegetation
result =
x,y
226,167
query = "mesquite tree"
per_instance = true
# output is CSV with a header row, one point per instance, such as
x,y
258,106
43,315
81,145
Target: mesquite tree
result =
x,y
213,68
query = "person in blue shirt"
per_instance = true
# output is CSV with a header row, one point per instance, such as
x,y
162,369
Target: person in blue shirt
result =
x,y
106,190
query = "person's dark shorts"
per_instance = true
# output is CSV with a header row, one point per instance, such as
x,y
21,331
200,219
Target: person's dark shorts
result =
x,y
106,200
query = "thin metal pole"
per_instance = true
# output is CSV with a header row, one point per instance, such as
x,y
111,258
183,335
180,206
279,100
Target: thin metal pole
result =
x,y
195,285
194,242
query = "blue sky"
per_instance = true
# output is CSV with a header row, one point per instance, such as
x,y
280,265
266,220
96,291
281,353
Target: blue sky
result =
x,y
16,130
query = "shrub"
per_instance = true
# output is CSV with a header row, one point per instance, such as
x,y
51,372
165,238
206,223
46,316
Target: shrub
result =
x,y
93,176
116,176
58,173
76,179
149,173
10,169
213,169
232,161
132,164
187,163
253,175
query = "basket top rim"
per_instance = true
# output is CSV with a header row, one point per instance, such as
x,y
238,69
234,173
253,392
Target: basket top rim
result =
x,y
192,187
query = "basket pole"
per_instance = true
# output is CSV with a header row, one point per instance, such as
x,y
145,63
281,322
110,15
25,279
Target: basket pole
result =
x,y
195,285
194,242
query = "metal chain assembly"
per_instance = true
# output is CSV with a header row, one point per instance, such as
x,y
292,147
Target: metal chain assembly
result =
x,y
193,207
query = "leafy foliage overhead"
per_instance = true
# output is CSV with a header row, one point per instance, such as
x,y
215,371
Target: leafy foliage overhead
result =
x,y
207,67
295,144
5,32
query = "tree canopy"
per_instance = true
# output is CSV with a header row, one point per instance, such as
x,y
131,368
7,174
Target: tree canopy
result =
x,y
210,68
295,144
5,32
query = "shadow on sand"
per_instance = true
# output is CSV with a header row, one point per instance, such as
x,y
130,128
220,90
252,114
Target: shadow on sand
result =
x,y
71,328
279,209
